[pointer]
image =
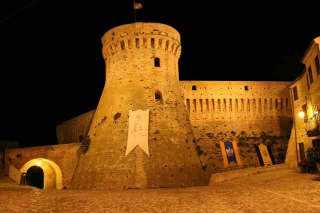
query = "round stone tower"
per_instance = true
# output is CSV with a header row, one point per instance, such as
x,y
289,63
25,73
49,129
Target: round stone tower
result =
x,y
141,74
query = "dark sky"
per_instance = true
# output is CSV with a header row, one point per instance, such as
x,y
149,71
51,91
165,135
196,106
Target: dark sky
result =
x,y
52,68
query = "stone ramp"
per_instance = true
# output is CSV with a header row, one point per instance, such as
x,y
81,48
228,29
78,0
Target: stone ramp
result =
x,y
7,184
239,173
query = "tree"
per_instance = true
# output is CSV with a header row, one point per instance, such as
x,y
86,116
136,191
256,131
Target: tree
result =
x,y
7,144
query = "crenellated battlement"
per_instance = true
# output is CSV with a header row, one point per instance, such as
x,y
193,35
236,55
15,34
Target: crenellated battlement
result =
x,y
242,108
236,100
141,36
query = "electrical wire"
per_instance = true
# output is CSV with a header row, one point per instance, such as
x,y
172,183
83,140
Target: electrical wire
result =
x,y
18,11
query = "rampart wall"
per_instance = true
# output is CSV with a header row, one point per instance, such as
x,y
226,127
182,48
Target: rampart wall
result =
x,y
71,130
249,113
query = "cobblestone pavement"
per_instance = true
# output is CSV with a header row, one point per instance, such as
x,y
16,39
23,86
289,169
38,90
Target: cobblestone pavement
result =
x,y
278,191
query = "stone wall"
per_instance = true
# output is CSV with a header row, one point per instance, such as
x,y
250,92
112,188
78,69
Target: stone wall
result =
x,y
64,155
71,131
236,100
249,113
14,174
250,133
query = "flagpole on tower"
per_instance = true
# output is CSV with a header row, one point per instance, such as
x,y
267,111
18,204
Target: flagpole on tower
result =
x,y
136,6
134,9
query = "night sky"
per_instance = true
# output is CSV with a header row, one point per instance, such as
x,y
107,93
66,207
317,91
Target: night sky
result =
x,y
52,68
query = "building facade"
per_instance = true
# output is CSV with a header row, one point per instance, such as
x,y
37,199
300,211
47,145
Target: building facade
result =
x,y
305,96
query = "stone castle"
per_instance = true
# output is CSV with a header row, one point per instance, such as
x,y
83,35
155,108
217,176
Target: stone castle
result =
x,y
187,122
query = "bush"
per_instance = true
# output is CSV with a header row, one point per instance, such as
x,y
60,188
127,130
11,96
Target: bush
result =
x,y
313,155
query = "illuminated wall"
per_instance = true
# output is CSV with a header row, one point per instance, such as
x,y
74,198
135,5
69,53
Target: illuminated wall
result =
x,y
57,161
52,172
141,74
71,130
305,94
248,112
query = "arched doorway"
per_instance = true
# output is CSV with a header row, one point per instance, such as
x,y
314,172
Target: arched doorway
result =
x,y
52,174
35,177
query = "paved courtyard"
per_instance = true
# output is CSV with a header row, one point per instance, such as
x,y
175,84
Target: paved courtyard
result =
x,y
278,191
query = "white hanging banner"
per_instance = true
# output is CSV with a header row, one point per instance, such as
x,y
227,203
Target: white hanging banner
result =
x,y
138,130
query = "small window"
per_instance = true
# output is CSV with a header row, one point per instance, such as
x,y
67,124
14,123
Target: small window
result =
x,y
316,61
158,96
157,62
246,88
295,93
308,82
310,75
137,43
194,87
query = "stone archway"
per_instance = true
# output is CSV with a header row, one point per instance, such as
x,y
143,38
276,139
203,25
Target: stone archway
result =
x,y
35,177
52,175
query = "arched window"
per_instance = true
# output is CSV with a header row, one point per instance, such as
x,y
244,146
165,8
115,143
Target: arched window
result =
x,y
158,96
157,62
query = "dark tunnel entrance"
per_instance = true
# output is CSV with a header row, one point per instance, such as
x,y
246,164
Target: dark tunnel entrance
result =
x,y
35,177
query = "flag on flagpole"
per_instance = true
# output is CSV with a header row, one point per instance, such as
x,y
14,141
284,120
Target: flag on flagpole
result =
x,y
137,6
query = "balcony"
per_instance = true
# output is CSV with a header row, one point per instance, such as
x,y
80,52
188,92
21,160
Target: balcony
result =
x,y
313,126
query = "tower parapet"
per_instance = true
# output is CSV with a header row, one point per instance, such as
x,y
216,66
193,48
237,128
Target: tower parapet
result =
x,y
141,35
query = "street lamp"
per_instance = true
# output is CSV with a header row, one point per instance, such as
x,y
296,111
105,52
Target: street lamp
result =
x,y
301,114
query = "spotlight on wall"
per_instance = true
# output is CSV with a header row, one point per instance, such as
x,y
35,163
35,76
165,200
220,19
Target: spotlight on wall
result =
x,y
38,163
301,114
316,112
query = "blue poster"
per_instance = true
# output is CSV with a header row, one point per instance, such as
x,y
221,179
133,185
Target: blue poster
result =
x,y
230,152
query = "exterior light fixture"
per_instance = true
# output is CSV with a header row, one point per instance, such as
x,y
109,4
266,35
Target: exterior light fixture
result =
x,y
316,112
301,114
38,163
